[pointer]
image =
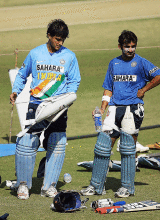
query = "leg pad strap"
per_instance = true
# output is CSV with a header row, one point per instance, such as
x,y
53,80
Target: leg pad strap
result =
x,y
101,161
25,155
128,163
54,158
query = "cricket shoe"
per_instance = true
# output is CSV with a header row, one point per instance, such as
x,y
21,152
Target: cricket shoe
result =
x,y
23,191
139,147
12,185
123,193
90,191
50,192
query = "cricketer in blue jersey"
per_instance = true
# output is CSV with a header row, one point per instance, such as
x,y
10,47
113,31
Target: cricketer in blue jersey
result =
x,y
55,73
128,78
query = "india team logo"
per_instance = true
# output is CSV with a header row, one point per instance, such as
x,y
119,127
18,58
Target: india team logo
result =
x,y
133,64
62,61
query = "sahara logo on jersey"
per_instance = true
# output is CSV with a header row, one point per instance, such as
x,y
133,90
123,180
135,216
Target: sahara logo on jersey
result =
x,y
54,68
125,78
153,70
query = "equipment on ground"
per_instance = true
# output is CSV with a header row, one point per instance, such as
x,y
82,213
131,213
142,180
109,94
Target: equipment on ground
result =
x,y
3,217
149,161
147,205
68,201
154,146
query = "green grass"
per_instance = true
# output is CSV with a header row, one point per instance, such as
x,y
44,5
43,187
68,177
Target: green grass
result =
x,y
93,66
36,207
97,36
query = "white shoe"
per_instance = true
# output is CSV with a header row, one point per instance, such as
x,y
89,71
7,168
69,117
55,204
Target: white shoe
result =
x,y
11,185
123,193
50,192
90,191
139,147
23,191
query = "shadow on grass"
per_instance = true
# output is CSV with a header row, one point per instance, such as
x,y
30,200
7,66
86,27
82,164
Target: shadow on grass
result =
x,y
113,184
13,138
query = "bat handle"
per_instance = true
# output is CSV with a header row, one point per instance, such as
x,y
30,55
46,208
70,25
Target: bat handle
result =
x,y
119,203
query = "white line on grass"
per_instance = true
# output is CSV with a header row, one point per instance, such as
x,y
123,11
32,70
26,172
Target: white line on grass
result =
x,y
149,47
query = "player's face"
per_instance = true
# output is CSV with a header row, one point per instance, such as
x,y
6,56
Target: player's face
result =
x,y
55,43
128,50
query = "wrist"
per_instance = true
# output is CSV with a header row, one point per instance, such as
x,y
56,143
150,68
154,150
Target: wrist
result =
x,y
143,90
106,98
103,110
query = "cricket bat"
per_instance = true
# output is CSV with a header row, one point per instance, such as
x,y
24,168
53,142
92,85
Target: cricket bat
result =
x,y
147,205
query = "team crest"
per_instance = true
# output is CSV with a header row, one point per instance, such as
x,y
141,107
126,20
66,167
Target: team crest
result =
x,y
133,64
62,61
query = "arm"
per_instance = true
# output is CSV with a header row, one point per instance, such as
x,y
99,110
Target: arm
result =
x,y
74,77
153,83
105,100
108,87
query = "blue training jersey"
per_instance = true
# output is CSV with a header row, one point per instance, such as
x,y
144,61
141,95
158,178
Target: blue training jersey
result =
x,y
125,78
59,70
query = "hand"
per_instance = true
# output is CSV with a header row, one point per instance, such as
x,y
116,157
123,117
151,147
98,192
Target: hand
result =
x,y
140,93
13,97
101,110
93,113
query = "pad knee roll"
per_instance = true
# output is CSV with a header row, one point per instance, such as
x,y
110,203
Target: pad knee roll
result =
x,y
54,158
128,164
25,155
101,161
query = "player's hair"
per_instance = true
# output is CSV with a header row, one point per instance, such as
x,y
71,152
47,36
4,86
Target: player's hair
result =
x,y
58,28
126,37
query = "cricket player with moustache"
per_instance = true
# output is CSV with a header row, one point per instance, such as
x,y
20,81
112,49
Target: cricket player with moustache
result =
x,y
128,78
55,72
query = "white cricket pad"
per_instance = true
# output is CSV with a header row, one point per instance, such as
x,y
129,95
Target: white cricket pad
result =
x,y
51,109
127,123
52,106
23,98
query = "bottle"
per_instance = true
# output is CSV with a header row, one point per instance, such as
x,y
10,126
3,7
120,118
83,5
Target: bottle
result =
x,y
67,178
98,120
